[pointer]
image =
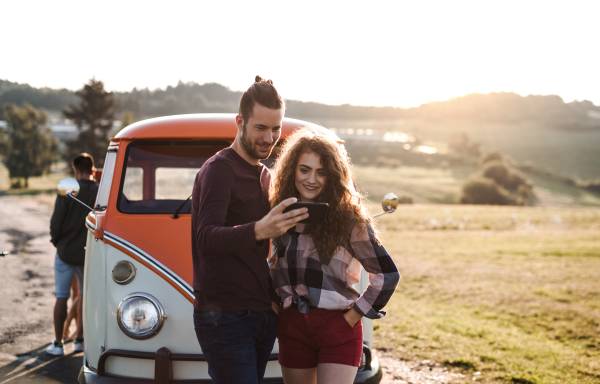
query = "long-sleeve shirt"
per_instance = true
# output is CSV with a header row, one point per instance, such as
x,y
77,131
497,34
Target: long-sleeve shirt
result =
x,y
68,232
230,267
302,276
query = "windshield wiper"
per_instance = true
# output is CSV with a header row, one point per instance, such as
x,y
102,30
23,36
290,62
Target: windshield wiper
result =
x,y
176,214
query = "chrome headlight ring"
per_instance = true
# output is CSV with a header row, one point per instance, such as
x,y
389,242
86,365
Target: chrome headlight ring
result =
x,y
140,315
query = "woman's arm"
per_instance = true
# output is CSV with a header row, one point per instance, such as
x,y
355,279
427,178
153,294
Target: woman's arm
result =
x,y
383,274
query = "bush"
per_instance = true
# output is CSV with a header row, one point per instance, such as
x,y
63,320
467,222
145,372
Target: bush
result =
x,y
492,156
498,171
505,175
593,185
482,190
498,182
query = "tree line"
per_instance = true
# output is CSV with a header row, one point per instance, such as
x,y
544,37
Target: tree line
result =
x,y
502,107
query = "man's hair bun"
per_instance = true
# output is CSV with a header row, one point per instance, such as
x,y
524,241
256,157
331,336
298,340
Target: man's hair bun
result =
x,y
261,92
259,79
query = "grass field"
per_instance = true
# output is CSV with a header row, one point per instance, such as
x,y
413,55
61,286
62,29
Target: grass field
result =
x,y
443,185
510,292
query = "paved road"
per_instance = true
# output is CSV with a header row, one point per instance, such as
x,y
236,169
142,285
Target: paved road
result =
x,y
27,295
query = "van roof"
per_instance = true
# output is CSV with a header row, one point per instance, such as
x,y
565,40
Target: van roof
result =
x,y
199,125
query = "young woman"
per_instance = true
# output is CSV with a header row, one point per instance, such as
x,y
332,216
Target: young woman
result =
x,y
314,266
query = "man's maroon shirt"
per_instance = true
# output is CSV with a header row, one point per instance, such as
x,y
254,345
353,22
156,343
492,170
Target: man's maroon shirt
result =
x,y
230,267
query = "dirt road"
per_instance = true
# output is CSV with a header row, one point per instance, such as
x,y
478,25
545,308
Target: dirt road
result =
x,y
27,295
27,302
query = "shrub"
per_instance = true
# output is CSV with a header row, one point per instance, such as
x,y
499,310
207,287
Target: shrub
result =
x,y
482,190
498,171
498,182
592,185
492,156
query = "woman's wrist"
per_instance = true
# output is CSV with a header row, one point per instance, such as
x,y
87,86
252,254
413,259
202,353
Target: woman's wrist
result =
x,y
352,317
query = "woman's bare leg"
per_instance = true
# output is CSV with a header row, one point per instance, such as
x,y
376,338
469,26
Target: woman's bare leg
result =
x,y
299,376
73,315
329,373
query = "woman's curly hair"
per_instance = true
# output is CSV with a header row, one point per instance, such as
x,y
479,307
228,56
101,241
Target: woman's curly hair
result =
x,y
345,202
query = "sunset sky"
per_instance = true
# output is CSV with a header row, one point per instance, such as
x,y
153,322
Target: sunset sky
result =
x,y
399,53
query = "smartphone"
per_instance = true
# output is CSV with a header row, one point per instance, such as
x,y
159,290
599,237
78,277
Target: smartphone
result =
x,y
316,212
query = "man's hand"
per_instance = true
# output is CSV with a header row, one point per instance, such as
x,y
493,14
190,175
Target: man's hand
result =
x,y
275,308
276,223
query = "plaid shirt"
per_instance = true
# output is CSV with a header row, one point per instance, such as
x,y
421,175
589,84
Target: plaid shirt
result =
x,y
302,276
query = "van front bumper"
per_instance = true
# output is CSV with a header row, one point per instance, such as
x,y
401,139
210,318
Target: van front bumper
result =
x,y
371,374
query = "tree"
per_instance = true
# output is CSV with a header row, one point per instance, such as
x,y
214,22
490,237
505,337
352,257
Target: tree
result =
x,y
29,149
461,143
127,119
94,119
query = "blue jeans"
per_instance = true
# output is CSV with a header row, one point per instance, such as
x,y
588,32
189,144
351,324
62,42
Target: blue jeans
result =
x,y
237,345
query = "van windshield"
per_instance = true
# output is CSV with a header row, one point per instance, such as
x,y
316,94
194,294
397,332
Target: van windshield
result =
x,y
159,176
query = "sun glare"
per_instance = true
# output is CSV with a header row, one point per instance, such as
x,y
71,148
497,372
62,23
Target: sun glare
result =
x,y
389,53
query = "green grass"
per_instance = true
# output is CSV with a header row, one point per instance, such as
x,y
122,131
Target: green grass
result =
x,y
514,294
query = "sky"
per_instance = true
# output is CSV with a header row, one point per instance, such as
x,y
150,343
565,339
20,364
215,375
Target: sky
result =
x,y
398,53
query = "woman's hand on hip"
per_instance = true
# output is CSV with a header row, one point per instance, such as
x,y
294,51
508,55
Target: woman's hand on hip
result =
x,y
352,317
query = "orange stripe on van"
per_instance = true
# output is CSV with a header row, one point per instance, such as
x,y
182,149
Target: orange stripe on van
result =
x,y
147,265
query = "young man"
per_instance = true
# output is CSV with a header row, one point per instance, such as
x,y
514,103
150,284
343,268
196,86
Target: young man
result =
x,y
68,234
235,310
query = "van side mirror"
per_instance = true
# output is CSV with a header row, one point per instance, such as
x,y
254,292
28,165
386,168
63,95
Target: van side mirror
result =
x,y
389,204
70,187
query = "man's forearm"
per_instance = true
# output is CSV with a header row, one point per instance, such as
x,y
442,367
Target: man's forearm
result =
x,y
214,239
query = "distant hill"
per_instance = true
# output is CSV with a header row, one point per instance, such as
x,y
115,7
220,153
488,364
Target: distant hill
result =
x,y
550,111
504,107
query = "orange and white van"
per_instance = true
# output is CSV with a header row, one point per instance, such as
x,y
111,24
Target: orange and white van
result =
x,y
138,296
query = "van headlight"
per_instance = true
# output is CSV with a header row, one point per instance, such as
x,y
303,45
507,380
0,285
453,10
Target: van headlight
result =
x,y
140,316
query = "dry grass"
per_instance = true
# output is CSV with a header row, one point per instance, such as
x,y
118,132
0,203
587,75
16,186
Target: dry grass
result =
x,y
37,185
514,294
444,185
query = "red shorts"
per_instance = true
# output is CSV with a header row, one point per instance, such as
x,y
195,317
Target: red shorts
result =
x,y
322,336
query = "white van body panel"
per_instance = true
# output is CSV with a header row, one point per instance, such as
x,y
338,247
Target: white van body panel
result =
x,y
177,333
94,297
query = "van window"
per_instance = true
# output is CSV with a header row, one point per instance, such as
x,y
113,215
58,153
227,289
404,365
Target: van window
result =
x,y
174,183
106,181
158,177
133,186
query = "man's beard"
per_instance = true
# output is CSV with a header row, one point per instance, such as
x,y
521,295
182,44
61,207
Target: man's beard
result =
x,y
250,147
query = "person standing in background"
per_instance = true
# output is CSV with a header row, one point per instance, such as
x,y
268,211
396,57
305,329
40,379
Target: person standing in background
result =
x,y
68,233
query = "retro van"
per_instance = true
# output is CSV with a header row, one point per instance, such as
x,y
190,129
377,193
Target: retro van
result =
x,y
138,296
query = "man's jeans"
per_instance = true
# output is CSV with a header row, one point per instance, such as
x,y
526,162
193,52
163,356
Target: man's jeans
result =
x,y
237,345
